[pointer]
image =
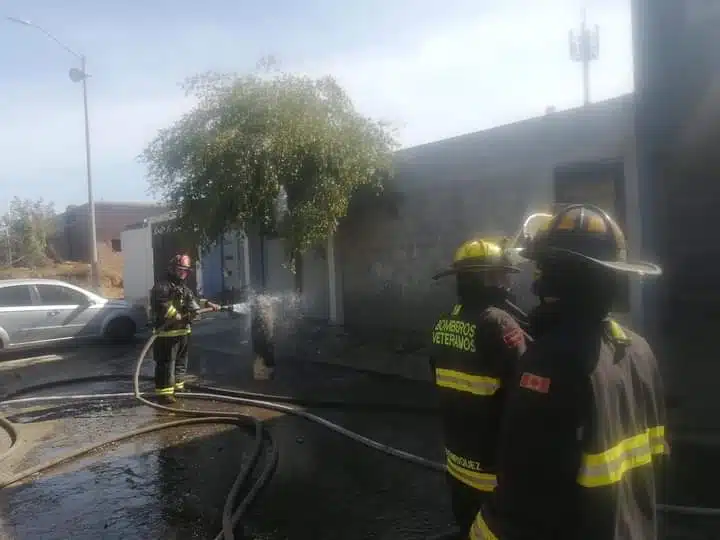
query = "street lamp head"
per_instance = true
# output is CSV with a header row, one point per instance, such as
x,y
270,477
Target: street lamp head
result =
x,y
77,75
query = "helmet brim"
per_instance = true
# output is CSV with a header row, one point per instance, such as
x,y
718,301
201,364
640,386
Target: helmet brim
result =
x,y
476,268
638,268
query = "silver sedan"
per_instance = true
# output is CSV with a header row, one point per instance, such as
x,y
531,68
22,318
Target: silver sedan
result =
x,y
40,311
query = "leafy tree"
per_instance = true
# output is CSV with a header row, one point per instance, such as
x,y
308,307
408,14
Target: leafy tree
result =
x,y
27,227
254,140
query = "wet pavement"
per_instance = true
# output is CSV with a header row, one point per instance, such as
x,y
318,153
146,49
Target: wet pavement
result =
x,y
172,484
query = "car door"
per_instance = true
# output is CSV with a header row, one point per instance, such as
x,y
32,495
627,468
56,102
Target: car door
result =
x,y
68,311
18,314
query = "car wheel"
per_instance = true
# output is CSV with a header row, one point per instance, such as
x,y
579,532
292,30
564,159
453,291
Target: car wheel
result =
x,y
120,330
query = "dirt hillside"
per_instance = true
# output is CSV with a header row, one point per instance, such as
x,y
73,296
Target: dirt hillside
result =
x,y
111,266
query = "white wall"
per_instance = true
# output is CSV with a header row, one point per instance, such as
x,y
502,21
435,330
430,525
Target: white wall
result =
x,y
315,291
137,264
319,273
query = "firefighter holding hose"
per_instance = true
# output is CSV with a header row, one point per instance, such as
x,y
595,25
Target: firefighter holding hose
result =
x,y
474,352
174,307
583,431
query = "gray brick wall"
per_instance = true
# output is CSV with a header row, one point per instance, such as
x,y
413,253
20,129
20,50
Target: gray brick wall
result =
x,y
482,183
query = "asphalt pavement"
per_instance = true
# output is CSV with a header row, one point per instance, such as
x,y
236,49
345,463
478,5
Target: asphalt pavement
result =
x,y
172,484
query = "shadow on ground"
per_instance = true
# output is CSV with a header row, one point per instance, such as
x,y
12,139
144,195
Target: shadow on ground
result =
x,y
19,369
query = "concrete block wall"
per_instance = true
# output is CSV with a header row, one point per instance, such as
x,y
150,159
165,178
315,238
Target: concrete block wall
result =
x,y
478,184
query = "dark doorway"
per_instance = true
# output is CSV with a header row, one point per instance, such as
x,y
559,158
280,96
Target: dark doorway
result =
x,y
599,183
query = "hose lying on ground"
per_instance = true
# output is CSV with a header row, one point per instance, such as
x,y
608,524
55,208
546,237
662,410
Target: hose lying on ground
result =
x,y
230,519
228,395
365,406
220,394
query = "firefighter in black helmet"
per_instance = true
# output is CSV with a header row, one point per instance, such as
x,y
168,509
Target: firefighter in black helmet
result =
x,y
583,432
474,351
174,307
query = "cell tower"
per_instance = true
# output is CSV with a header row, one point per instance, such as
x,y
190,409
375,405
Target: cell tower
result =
x,y
584,48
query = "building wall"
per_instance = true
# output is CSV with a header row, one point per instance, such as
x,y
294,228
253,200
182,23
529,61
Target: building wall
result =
x,y
110,220
211,264
315,284
138,263
477,184
678,134
269,273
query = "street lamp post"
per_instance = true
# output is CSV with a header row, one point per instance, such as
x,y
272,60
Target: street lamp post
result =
x,y
79,75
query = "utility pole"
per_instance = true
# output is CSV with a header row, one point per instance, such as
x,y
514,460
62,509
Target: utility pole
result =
x,y
584,48
8,237
79,76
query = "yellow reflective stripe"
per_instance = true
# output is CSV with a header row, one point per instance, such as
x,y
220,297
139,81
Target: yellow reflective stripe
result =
x,y
617,332
180,386
658,443
469,472
610,466
462,382
480,481
165,391
480,529
171,312
172,333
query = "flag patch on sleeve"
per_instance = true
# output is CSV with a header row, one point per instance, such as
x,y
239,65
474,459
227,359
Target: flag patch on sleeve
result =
x,y
535,383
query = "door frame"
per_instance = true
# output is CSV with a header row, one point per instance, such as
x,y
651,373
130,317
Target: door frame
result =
x,y
593,171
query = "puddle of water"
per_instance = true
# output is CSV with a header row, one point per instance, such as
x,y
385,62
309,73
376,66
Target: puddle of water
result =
x,y
137,490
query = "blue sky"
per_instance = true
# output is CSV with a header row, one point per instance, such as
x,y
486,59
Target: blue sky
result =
x,y
434,68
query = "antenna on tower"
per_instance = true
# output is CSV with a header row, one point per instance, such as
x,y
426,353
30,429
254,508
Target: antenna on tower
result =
x,y
584,48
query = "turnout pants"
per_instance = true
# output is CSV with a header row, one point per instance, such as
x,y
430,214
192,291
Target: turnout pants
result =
x,y
171,361
466,502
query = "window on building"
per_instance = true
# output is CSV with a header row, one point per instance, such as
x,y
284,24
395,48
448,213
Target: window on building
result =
x,y
15,296
116,245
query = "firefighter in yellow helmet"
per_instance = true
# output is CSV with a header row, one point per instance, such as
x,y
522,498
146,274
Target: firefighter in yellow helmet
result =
x,y
474,351
583,431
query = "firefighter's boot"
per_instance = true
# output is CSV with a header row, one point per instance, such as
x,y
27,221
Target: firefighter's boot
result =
x,y
164,399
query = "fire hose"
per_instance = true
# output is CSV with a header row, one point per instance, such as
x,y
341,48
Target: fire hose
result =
x,y
233,510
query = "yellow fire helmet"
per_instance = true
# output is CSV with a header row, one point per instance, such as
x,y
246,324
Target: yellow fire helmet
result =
x,y
478,256
587,232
